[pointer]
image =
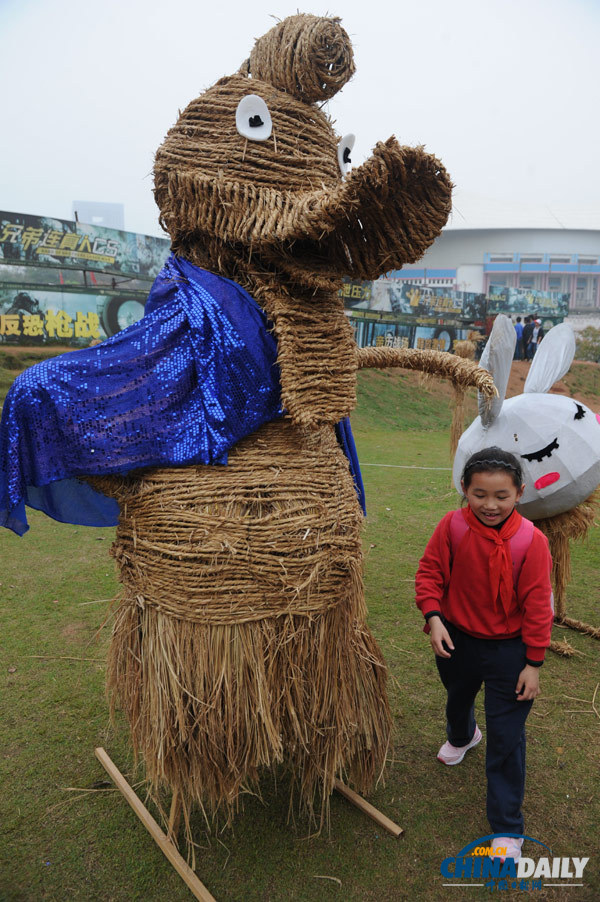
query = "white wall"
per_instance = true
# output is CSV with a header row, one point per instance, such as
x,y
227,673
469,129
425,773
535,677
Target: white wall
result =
x,y
469,277
580,321
458,247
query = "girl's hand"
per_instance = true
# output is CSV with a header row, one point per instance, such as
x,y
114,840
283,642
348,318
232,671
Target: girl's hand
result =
x,y
438,635
528,684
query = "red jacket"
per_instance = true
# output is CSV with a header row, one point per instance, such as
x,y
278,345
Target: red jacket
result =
x,y
460,589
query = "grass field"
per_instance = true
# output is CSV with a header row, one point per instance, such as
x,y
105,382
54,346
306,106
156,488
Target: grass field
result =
x,y
66,838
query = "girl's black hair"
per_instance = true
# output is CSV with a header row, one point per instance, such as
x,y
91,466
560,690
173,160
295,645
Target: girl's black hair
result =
x,y
493,458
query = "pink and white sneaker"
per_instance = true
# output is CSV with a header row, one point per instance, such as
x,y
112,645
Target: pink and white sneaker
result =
x,y
504,847
453,754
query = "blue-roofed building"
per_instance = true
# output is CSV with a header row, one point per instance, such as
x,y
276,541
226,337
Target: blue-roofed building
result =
x,y
541,248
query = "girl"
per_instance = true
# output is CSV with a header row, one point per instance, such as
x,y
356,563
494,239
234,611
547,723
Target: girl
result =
x,y
483,586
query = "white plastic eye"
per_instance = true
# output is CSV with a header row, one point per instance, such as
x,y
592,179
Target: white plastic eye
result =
x,y
344,149
253,119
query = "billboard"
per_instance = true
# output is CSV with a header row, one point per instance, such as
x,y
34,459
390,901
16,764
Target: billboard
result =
x,y
357,294
71,283
406,299
31,316
41,241
377,333
448,311
525,302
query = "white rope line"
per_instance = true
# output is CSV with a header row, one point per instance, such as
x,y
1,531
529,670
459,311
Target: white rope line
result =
x,y
404,466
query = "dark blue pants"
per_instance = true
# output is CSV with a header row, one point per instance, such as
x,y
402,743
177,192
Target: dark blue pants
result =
x,y
497,664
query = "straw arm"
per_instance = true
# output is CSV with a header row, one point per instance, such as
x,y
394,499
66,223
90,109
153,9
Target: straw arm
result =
x,y
461,372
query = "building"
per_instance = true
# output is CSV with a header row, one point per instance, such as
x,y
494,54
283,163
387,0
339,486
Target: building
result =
x,y
510,246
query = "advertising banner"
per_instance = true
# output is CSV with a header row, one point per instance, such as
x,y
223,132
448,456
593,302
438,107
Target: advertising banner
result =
x,y
41,241
75,318
379,333
357,294
525,302
450,310
406,299
436,302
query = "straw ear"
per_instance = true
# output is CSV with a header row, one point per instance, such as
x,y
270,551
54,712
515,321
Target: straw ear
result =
x,y
497,359
552,359
307,56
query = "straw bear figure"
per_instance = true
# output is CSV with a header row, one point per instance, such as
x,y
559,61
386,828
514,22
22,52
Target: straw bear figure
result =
x,y
240,639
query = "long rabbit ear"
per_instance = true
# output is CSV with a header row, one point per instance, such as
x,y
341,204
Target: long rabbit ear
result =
x,y
552,360
497,359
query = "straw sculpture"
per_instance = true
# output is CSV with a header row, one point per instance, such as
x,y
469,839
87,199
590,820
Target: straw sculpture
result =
x,y
561,530
240,638
560,495
280,58
465,349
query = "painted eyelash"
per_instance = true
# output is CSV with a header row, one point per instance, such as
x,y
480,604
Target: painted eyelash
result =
x,y
544,452
580,412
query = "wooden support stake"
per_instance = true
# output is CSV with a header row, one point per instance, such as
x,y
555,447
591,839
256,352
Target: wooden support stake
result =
x,y
159,837
368,809
174,816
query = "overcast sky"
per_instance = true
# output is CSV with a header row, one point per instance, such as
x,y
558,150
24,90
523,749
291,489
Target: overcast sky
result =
x,y
506,92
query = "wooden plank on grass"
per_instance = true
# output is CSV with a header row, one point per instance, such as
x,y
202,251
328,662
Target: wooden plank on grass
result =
x,y
368,809
159,837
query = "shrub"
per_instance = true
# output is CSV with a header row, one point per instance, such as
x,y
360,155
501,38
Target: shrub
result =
x,y
588,344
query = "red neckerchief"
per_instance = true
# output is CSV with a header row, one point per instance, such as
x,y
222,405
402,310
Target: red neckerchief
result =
x,y
500,561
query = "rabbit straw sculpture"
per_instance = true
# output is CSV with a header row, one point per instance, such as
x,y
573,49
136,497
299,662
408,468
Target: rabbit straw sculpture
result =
x,y
466,349
557,440
240,637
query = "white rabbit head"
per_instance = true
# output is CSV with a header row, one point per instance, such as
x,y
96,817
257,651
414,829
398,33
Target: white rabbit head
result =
x,y
555,439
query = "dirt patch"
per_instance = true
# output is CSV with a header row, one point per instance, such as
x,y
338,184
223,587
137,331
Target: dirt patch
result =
x,y
518,375
40,350
576,384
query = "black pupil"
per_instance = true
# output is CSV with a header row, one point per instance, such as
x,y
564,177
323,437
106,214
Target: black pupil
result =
x,y
255,121
346,156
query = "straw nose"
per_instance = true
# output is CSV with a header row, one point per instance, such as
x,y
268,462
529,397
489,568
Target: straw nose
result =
x,y
307,56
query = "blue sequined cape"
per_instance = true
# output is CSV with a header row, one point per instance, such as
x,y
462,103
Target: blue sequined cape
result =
x,y
181,386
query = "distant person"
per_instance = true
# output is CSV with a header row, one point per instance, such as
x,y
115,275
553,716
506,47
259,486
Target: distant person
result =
x,y
519,344
526,338
537,333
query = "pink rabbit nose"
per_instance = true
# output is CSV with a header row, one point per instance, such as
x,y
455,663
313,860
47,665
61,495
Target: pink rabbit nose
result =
x,y
547,479
598,417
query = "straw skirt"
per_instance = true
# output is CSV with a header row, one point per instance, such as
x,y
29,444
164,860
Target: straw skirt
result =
x,y
240,639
